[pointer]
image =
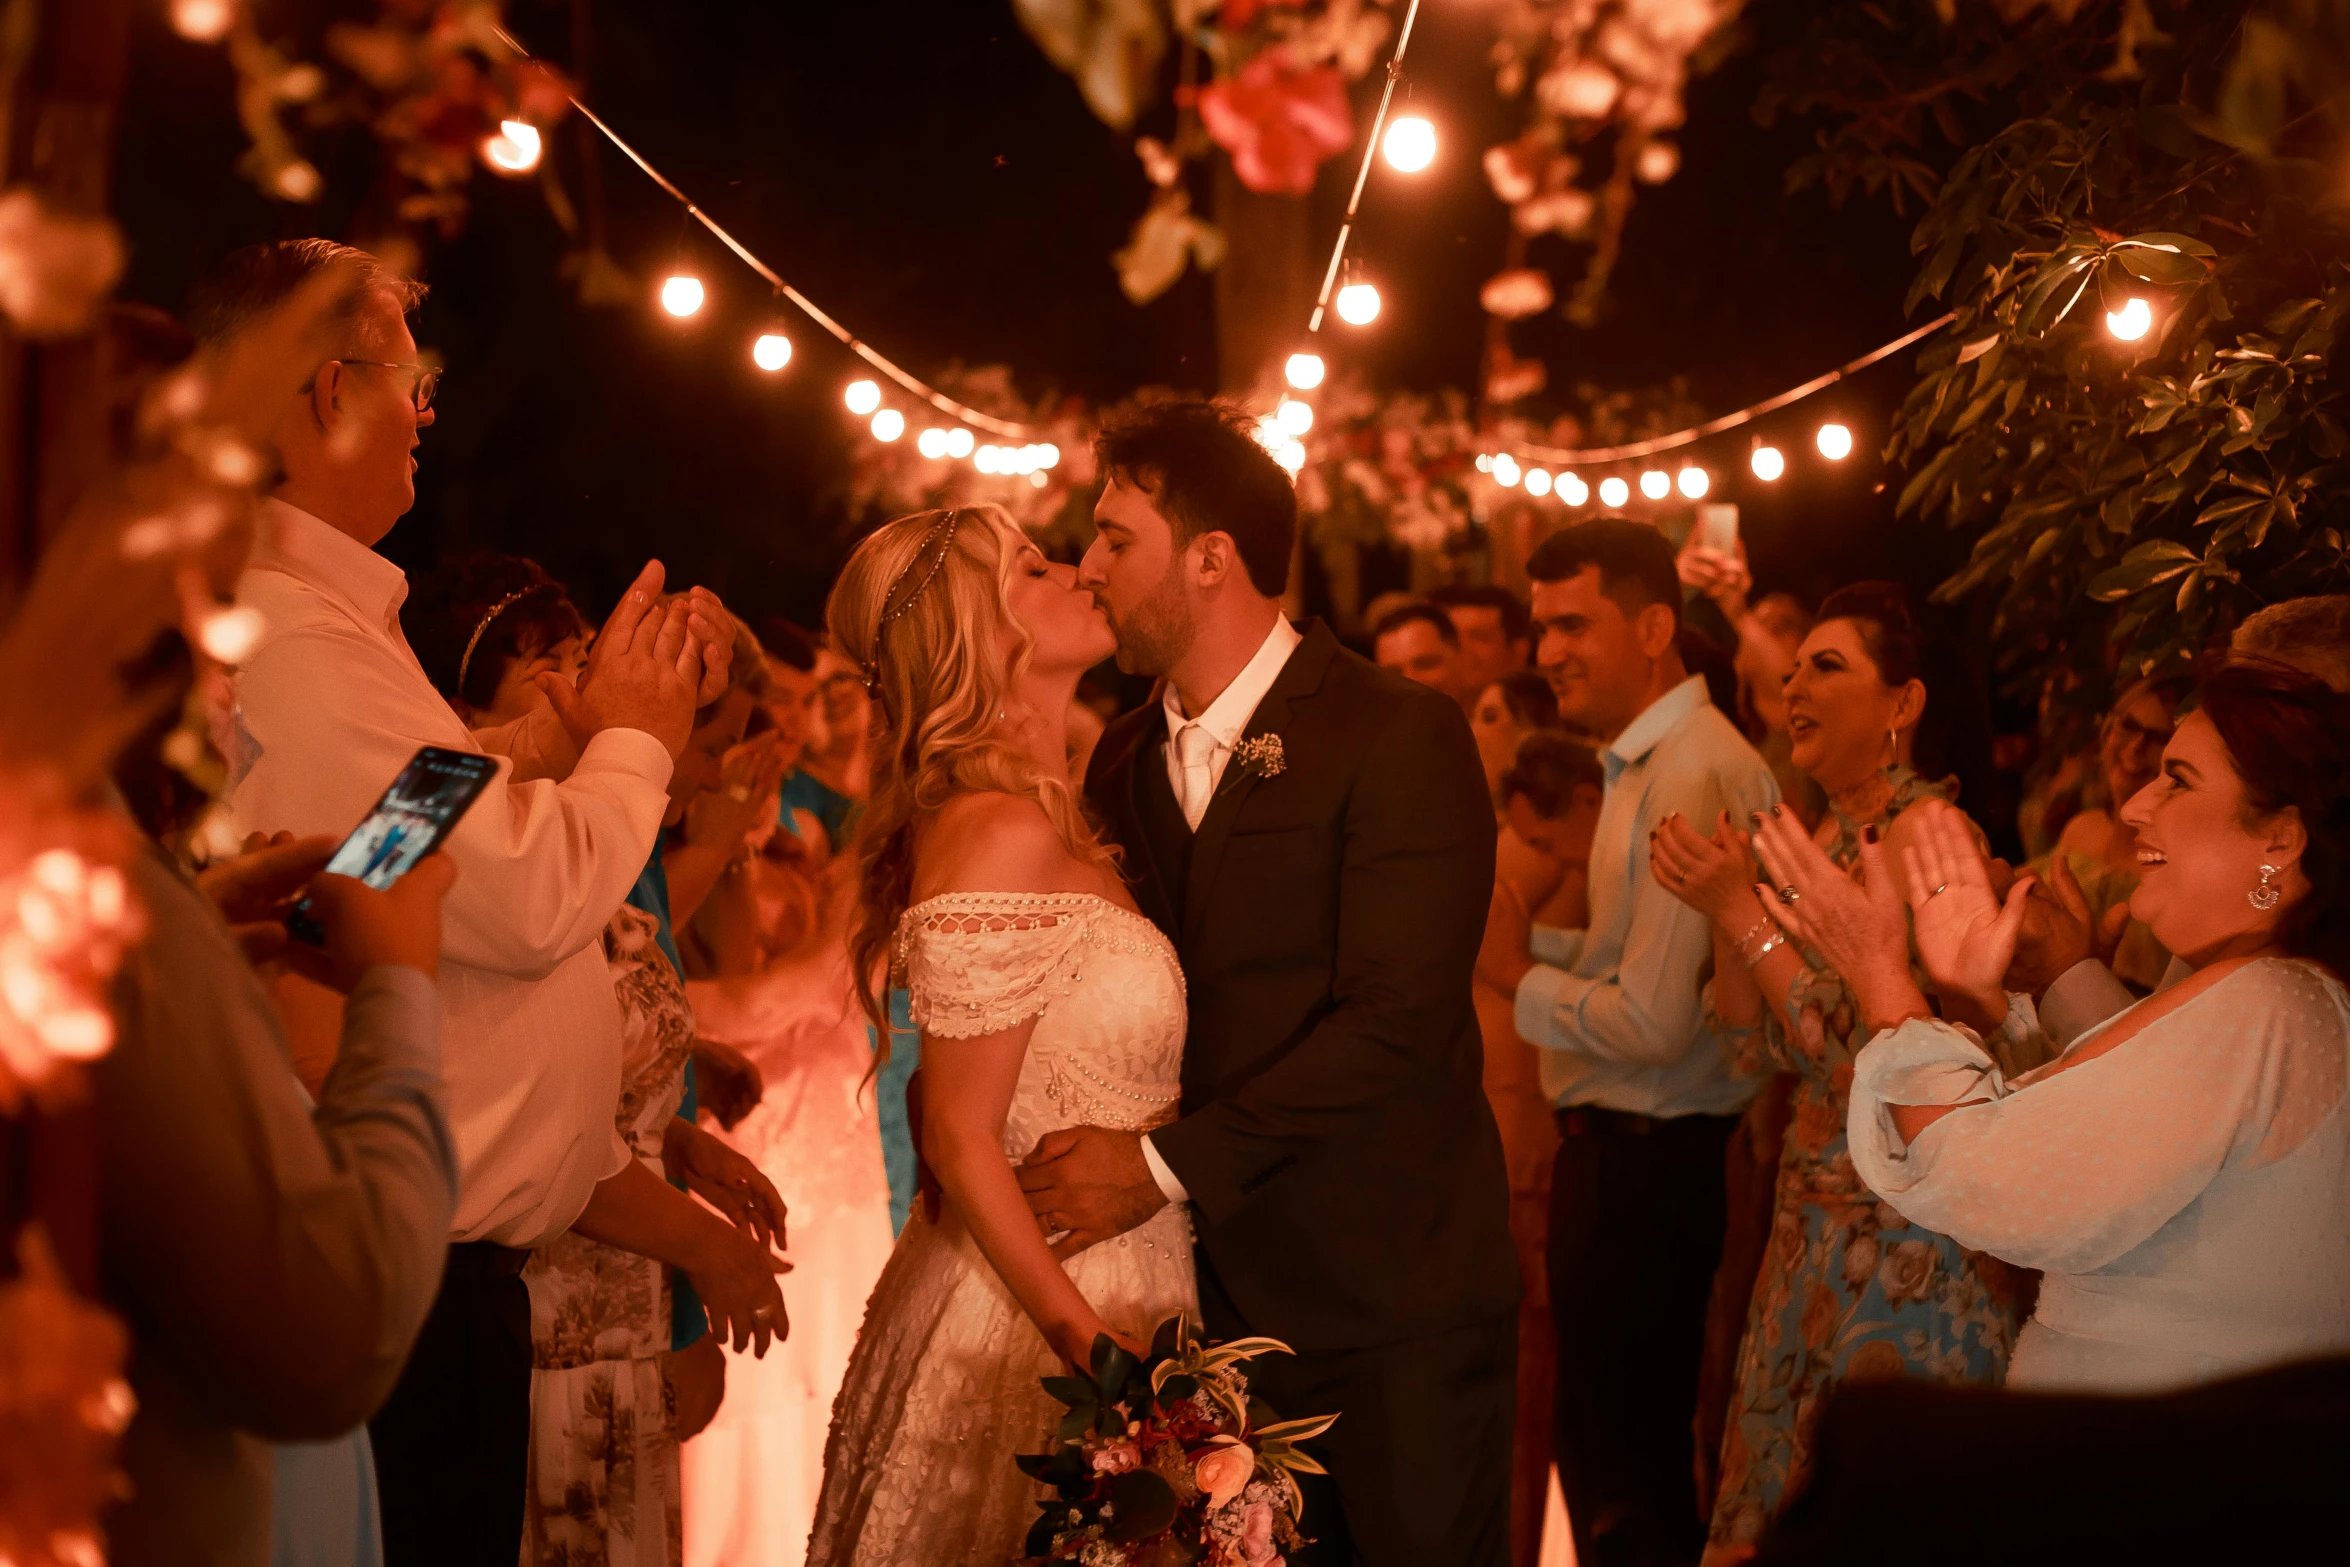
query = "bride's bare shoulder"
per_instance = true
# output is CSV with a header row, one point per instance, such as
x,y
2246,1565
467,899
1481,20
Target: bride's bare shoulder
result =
x,y
993,843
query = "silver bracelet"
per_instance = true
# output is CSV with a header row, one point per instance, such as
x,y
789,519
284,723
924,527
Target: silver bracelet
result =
x,y
1756,929
1778,940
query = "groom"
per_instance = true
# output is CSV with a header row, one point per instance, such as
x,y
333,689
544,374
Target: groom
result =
x,y
1315,837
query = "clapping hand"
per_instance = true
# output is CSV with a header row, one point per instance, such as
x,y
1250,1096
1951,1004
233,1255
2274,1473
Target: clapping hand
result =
x,y
1966,935
1856,925
646,670
2058,931
1712,875
726,1180
748,777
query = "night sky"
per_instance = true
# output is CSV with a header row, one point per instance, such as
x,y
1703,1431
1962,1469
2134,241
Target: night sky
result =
x,y
927,176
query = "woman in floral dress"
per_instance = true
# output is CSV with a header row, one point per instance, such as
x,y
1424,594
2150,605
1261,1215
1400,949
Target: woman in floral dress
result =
x,y
1848,1288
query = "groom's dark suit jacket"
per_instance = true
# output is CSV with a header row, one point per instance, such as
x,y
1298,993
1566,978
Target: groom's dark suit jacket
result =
x,y
1344,1169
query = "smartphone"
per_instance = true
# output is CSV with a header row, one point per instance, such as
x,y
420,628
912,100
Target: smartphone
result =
x,y
408,823
1717,528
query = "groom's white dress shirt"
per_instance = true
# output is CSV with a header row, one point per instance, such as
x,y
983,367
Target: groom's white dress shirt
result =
x,y
331,706
1198,750
1616,1009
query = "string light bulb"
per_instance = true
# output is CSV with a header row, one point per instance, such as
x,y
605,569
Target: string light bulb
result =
x,y
862,397
1290,455
1049,455
959,443
515,149
1656,484
1410,144
1835,442
1613,491
1358,304
1304,371
2133,321
1768,462
1572,489
1484,462
985,459
1693,482
931,442
681,294
205,21
771,352
1295,417
888,425
1537,481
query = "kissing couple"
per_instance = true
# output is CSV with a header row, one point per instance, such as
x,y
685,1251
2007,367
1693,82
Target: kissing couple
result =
x,y
1215,1055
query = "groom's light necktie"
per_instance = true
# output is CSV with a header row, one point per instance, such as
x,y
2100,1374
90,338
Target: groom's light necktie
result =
x,y
1195,748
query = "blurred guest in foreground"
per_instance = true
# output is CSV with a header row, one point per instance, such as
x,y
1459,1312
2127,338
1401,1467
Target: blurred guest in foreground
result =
x,y
1506,712
2179,1172
1418,642
1496,633
1846,1289
1550,798
1645,1099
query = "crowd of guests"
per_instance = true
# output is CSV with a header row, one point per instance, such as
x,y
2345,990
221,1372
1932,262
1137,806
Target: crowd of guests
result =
x,y
440,1239
1726,1201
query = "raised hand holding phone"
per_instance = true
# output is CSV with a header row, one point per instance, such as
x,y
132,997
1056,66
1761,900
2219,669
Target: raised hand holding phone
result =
x,y
366,929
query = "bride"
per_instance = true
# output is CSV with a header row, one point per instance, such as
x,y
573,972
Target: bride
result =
x,y
1044,1000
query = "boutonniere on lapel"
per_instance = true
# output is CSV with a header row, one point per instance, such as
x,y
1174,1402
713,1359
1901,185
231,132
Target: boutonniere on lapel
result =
x,y
1260,756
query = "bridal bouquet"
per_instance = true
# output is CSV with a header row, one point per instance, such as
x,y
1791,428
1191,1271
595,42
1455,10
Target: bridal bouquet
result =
x,y
1169,1461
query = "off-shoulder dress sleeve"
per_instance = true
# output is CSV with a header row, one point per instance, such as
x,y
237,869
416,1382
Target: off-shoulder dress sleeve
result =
x,y
2069,1170
983,964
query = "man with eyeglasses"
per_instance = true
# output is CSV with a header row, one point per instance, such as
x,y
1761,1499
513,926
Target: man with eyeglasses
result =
x,y
331,704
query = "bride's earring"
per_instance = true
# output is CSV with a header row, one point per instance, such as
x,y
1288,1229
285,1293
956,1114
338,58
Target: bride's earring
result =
x,y
2265,896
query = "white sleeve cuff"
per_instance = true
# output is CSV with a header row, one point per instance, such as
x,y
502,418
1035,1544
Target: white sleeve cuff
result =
x,y
1161,1174
627,751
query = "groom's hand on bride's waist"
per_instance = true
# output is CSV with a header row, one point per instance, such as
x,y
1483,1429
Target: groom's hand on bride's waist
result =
x,y
1086,1184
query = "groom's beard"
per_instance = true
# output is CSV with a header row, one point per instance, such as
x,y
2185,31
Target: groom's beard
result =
x,y
1159,631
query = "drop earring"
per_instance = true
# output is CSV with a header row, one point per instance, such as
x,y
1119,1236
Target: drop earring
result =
x,y
2265,896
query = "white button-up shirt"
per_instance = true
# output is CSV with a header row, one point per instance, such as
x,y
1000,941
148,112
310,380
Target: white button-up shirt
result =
x,y
1615,1008
331,706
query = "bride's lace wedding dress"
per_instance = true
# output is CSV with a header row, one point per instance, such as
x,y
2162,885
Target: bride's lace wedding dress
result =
x,y
943,1388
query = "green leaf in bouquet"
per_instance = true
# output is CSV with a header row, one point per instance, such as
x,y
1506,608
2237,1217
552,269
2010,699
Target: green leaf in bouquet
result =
x,y
1296,1430
1073,1423
1112,1365
1041,1532
1031,1464
1173,1335
1109,1422
1177,1387
1141,1504
1072,1390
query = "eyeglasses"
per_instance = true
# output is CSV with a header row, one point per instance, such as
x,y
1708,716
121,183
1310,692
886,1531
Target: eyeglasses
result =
x,y
428,378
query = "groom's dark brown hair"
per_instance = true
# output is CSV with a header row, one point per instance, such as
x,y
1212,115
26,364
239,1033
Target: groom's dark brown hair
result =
x,y
1206,474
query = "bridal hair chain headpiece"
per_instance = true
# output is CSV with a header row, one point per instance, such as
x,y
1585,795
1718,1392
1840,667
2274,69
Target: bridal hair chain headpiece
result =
x,y
943,531
474,641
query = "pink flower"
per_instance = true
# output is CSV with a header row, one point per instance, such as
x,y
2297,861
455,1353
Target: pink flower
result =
x,y
1223,1472
1256,1535
1278,124
1116,1458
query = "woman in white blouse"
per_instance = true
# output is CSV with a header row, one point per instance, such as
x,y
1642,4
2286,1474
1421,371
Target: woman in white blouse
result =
x,y
2182,1173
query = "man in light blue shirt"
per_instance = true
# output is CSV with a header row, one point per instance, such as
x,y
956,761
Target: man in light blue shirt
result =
x,y
1645,1098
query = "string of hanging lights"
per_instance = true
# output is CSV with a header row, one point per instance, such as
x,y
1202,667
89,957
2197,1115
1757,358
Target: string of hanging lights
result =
x,y
683,294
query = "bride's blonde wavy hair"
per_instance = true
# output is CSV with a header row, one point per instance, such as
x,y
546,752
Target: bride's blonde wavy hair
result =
x,y
924,606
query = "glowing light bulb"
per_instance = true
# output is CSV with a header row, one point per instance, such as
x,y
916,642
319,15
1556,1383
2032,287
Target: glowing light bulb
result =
x,y
1693,483
1613,491
2133,321
1573,490
1038,479
1295,417
1506,471
1270,435
1291,455
959,442
985,459
1655,484
1049,455
888,425
515,149
862,397
300,181
206,21
1410,144
1304,371
1768,462
1358,304
771,352
1537,481
1484,462
931,443
681,294
1835,442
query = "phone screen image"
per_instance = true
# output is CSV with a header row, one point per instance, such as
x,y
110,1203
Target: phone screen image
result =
x,y
408,823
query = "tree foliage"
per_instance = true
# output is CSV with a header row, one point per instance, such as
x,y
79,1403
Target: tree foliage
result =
x,y
2127,501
